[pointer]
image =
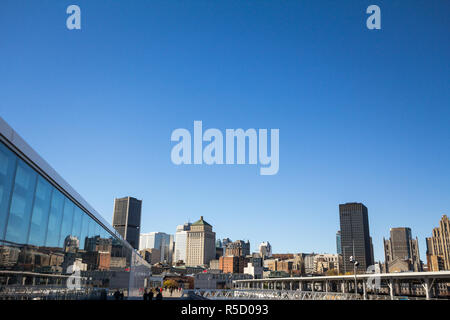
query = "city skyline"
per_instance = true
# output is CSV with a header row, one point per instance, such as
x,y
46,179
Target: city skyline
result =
x,y
376,260
362,115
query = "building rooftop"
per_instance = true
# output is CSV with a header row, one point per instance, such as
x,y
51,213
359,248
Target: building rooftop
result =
x,y
201,222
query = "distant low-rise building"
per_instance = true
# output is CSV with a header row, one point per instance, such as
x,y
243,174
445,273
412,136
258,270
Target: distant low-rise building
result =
x,y
324,263
255,271
214,264
210,280
151,255
238,248
275,274
232,264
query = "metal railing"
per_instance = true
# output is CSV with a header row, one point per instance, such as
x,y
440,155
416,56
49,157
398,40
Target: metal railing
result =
x,y
262,294
50,293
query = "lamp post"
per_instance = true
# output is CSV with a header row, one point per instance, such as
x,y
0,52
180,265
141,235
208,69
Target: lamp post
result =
x,y
355,266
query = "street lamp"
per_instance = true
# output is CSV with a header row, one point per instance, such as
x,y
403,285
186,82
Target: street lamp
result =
x,y
355,266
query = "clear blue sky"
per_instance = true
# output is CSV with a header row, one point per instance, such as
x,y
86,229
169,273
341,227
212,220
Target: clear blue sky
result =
x,y
363,115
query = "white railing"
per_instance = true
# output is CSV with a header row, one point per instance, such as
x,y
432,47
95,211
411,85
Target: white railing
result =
x,y
255,294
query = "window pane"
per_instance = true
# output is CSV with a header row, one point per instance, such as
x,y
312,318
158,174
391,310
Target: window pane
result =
x,y
66,226
76,227
21,203
98,230
39,217
55,218
92,225
84,230
7,166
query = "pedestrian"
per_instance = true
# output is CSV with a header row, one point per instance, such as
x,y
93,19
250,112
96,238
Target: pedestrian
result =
x,y
117,295
145,295
159,296
150,295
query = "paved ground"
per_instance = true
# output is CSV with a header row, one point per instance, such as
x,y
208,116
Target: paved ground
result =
x,y
175,294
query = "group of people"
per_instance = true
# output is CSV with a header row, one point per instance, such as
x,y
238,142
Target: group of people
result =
x,y
148,295
118,295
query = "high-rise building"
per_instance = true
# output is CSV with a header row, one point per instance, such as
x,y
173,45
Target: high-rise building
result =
x,y
181,243
338,242
127,219
265,250
355,236
238,248
201,244
401,251
158,240
438,246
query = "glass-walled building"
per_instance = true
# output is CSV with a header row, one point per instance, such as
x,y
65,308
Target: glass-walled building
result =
x,y
51,241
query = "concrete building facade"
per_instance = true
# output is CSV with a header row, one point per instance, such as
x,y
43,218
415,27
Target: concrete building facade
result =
x,y
401,251
201,244
438,246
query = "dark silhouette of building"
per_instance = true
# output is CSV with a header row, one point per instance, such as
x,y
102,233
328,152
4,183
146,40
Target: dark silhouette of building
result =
x,y
127,219
355,236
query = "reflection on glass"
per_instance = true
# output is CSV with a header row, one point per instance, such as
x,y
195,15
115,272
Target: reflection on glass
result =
x,y
39,216
77,219
55,219
47,236
66,227
21,203
84,230
7,167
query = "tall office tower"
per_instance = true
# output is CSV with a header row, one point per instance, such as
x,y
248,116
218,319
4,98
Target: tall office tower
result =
x,y
438,246
238,248
201,244
338,242
265,250
158,240
355,236
401,251
181,243
127,219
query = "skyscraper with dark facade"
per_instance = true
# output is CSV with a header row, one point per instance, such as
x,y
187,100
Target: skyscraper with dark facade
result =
x,y
127,219
355,236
